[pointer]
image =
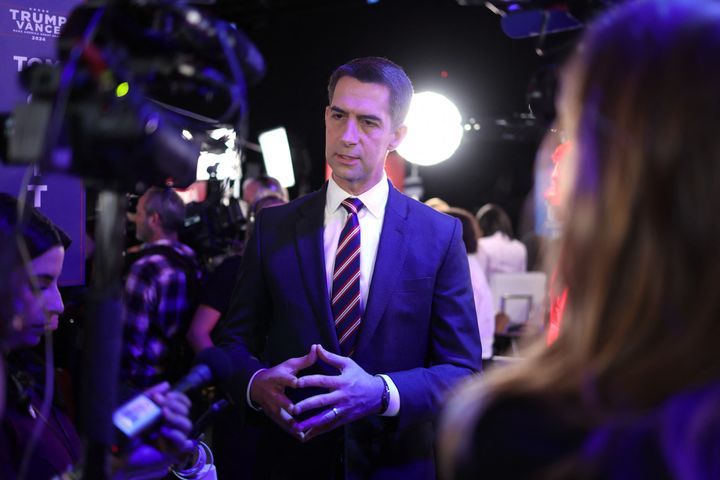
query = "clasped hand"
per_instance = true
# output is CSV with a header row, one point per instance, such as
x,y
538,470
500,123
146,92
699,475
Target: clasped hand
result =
x,y
353,394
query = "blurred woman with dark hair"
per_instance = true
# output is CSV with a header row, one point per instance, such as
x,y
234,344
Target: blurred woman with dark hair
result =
x,y
31,306
631,386
32,254
499,251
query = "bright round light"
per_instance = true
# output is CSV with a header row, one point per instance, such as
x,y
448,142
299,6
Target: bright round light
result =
x,y
434,129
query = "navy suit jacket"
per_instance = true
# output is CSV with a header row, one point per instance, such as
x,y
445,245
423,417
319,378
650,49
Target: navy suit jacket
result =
x,y
419,327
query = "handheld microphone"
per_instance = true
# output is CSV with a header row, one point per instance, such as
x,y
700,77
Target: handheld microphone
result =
x,y
137,415
211,365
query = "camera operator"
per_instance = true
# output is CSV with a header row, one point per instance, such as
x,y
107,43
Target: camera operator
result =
x,y
160,293
217,290
256,188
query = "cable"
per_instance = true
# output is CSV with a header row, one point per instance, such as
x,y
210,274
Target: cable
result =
x,y
48,392
48,388
52,133
51,138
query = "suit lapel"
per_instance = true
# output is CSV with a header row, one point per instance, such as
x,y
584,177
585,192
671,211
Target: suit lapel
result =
x,y
311,257
388,263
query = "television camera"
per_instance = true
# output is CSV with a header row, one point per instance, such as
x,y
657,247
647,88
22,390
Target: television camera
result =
x,y
133,75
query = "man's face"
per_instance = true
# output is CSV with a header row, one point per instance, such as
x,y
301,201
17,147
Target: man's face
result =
x,y
359,133
142,227
35,314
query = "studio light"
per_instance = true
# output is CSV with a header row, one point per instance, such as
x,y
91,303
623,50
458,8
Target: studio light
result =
x,y
434,129
222,154
276,153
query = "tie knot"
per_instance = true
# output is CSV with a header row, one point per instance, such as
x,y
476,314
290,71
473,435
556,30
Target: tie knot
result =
x,y
352,205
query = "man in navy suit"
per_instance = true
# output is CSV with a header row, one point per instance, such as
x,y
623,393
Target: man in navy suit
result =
x,y
356,401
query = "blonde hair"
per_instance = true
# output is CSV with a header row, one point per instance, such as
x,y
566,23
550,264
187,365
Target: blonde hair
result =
x,y
641,250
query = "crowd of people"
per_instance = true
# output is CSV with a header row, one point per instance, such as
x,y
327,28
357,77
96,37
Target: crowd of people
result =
x,y
359,321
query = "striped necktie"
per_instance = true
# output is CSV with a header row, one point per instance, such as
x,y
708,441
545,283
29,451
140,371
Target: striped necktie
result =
x,y
346,279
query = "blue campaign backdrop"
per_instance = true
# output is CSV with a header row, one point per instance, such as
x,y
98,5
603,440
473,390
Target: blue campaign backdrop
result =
x,y
29,31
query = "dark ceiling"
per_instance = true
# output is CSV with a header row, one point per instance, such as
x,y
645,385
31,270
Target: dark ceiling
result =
x,y
487,77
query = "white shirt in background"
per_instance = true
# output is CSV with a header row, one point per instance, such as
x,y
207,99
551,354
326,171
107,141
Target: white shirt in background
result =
x,y
500,254
483,305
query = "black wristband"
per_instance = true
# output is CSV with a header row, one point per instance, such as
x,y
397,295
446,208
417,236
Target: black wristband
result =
x,y
385,399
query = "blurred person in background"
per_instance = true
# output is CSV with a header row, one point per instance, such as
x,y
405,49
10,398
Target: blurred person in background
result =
x,y
631,387
230,429
499,251
161,290
255,188
437,203
217,291
481,291
558,293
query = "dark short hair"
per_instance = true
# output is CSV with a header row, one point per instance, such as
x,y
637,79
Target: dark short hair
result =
x,y
39,232
272,199
265,181
471,229
493,219
383,71
168,205
263,184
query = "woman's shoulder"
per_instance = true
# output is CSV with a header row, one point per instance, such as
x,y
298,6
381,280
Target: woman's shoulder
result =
x,y
522,437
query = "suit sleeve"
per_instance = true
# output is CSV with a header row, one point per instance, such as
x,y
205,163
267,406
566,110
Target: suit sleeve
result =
x,y
242,330
454,344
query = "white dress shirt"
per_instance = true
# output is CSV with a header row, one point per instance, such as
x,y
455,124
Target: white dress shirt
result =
x,y
484,308
500,254
371,218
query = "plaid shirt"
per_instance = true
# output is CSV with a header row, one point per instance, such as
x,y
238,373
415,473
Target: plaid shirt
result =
x,y
156,307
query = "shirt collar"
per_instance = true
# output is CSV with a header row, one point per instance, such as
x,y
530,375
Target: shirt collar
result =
x,y
374,199
175,245
161,241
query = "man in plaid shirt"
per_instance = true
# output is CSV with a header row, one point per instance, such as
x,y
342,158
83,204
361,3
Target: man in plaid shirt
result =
x,y
160,291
